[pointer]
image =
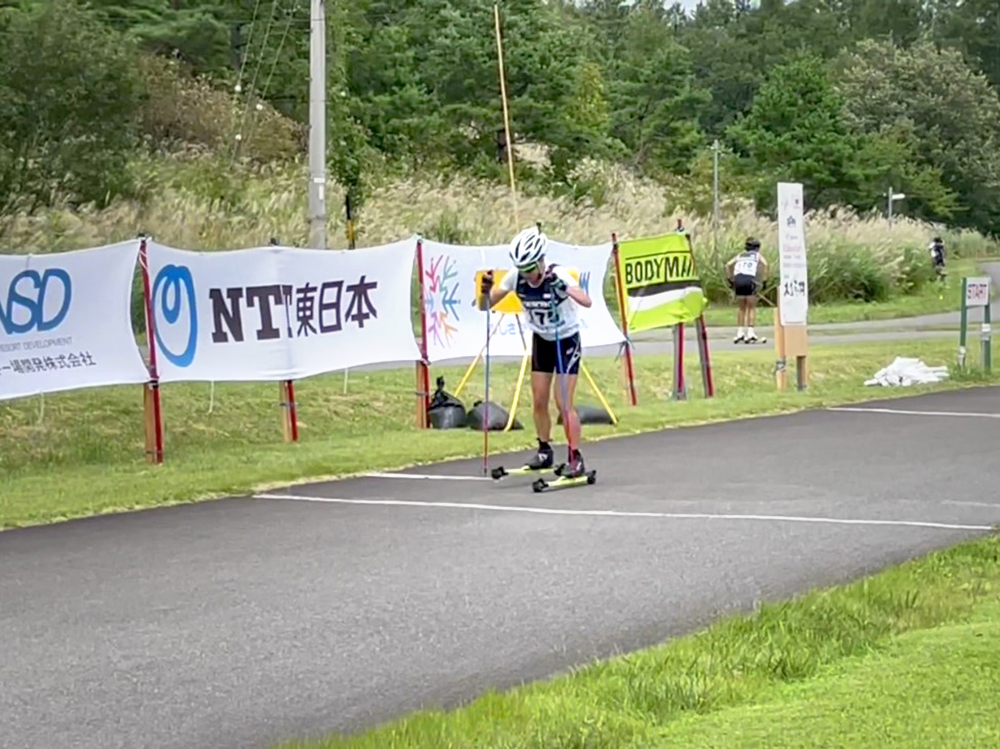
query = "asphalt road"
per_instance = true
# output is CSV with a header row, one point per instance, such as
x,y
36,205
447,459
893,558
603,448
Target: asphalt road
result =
x,y
244,621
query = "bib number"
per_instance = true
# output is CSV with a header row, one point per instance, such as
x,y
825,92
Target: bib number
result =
x,y
746,267
543,317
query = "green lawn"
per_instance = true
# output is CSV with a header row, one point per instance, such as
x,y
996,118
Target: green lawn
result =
x,y
909,657
931,299
933,687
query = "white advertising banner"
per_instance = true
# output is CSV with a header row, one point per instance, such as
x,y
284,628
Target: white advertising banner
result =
x,y
794,298
65,321
279,313
456,327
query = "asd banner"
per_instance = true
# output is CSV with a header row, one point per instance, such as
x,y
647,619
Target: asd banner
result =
x,y
65,321
661,284
279,313
456,327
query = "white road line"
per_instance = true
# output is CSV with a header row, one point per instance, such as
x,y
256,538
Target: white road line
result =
x,y
426,476
621,514
971,414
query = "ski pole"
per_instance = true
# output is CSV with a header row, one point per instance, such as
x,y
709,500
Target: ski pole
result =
x,y
560,374
486,395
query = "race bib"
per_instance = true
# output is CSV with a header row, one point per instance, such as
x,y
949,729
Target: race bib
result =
x,y
746,266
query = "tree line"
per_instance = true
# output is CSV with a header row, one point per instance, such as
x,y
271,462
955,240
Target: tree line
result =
x,y
850,97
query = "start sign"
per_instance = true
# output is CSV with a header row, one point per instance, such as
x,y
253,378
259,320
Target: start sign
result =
x,y
977,292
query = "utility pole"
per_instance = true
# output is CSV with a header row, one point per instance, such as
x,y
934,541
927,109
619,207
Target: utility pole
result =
x,y
893,197
317,125
715,193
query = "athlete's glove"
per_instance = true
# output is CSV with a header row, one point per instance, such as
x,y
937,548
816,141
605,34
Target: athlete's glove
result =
x,y
559,289
485,286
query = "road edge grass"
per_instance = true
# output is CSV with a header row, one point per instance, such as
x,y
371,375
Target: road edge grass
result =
x,y
633,700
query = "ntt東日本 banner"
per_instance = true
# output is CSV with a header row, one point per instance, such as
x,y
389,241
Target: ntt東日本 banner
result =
x,y
661,283
65,321
279,313
794,298
456,327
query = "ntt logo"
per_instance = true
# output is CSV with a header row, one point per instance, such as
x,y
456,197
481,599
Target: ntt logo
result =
x,y
176,332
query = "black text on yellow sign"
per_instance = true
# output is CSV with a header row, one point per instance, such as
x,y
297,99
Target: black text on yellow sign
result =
x,y
660,269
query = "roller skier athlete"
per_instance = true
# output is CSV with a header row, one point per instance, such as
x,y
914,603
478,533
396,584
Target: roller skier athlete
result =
x,y
746,272
550,297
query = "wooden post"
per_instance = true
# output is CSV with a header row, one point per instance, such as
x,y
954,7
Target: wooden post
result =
x,y
286,391
791,341
423,375
627,362
680,389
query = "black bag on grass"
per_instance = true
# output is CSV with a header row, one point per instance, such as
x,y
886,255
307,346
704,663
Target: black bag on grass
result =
x,y
498,417
590,415
445,411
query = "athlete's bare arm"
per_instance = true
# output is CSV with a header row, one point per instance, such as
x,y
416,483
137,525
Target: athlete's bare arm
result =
x,y
578,295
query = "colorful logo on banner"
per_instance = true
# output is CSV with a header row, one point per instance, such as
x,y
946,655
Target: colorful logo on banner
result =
x,y
31,293
173,293
441,299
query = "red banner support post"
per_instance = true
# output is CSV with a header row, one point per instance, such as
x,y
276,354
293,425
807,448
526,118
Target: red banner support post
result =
x,y
152,411
289,417
423,375
703,355
628,363
701,329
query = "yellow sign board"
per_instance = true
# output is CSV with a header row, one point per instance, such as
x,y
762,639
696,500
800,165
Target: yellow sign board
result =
x,y
510,304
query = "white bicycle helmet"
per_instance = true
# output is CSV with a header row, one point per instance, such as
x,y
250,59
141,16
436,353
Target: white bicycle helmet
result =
x,y
528,247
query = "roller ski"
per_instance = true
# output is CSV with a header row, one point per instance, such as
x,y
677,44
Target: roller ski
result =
x,y
544,462
574,473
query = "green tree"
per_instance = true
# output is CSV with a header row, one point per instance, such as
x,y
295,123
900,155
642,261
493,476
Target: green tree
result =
x,y
952,113
795,131
654,100
69,96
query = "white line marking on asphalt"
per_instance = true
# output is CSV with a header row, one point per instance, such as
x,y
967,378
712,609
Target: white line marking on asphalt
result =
x,y
901,411
426,476
621,514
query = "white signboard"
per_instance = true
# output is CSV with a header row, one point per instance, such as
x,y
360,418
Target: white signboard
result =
x,y
456,327
794,289
280,313
977,291
65,321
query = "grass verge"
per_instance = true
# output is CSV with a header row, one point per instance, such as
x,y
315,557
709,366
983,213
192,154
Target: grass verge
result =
x,y
76,454
907,657
932,298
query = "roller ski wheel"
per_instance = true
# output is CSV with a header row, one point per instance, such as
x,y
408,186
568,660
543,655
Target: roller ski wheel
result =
x,y
563,482
754,341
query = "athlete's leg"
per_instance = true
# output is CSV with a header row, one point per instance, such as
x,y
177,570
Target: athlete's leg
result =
x,y
542,354
568,411
752,314
541,386
571,351
741,316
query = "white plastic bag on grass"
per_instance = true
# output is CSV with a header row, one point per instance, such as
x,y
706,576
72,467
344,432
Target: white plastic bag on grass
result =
x,y
905,371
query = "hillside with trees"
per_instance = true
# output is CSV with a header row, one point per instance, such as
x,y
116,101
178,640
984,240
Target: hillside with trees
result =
x,y
117,104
